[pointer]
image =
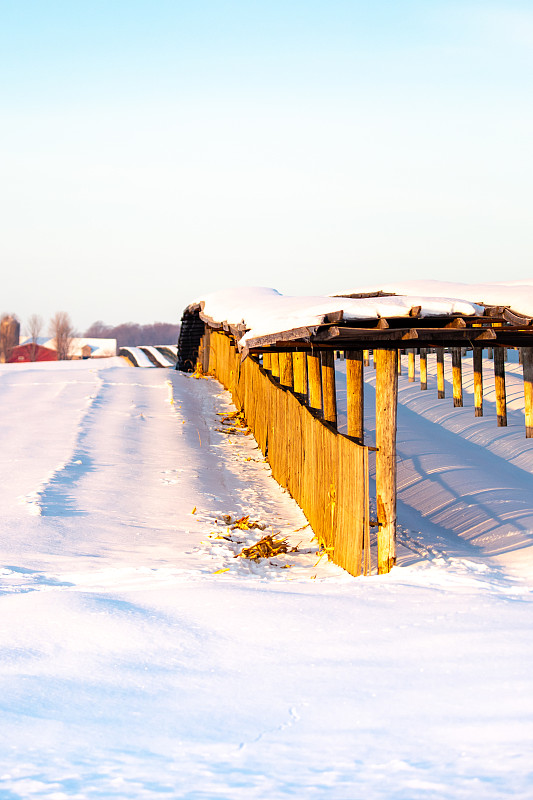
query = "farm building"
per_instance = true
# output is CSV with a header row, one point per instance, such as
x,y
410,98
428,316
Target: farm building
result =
x,y
23,353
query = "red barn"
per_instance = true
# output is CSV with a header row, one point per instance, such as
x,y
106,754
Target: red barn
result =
x,y
23,353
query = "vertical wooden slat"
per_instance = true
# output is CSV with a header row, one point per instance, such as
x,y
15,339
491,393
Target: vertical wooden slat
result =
x,y
411,365
355,394
527,366
423,368
499,385
329,397
477,357
299,367
266,361
314,380
286,376
457,370
274,365
386,405
366,357
367,567
441,391
399,362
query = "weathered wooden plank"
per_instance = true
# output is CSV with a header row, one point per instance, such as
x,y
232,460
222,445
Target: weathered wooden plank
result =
x,y
457,372
355,393
477,356
411,365
386,411
527,367
499,385
299,366
314,379
329,397
286,376
274,365
423,368
441,390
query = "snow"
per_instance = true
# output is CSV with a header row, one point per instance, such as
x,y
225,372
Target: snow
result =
x,y
139,356
518,295
140,659
265,311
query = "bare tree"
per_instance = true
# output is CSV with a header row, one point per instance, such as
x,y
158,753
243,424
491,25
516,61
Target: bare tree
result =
x,y
34,327
9,335
62,332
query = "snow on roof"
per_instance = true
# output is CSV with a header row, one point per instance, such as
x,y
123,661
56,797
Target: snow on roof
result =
x,y
262,311
517,295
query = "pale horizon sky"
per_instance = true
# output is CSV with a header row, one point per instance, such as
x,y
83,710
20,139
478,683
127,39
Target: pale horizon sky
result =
x,y
152,152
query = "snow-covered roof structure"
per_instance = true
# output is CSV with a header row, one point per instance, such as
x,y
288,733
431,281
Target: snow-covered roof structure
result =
x,y
373,316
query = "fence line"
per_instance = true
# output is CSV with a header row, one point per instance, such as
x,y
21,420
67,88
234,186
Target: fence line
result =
x,y
324,471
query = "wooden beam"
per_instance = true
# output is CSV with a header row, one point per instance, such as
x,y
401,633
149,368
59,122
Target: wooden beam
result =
x,y
423,368
477,356
441,391
329,397
355,393
299,367
527,366
457,370
499,385
314,380
411,366
286,377
386,411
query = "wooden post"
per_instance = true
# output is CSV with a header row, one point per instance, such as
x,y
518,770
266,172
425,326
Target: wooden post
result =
x,y
423,368
266,361
477,357
386,405
366,356
314,380
285,369
441,391
274,365
399,362
527,365
355,394
299,368
490,353
411,365
499,385
457,369
328,386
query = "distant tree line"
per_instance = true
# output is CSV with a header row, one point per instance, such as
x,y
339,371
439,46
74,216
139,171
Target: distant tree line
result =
x,y
133,334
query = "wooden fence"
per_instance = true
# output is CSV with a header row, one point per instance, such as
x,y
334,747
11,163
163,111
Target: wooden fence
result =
x,y
325,472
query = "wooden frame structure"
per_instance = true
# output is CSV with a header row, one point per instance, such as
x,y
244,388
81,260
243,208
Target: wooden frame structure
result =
x,y
301,361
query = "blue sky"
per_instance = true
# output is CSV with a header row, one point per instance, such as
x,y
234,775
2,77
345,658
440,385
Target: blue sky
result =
x,y
153,151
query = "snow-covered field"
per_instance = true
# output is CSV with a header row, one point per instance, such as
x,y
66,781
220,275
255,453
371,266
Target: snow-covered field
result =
x,y
140,659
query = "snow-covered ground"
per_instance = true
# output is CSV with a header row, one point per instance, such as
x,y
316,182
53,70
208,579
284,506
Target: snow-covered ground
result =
x,y
140,659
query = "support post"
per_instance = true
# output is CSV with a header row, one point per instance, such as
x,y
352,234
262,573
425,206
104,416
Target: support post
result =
x,y
299,368
386,405
499,385
286,376
355,394
457,370
423,368
477,357
527,365
411,365
314,380
329,396
441,391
